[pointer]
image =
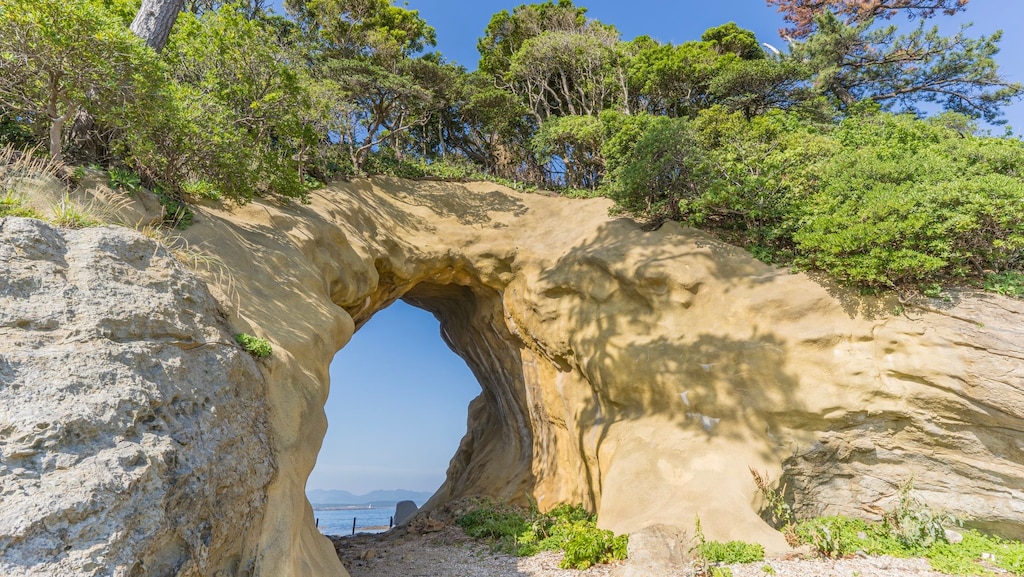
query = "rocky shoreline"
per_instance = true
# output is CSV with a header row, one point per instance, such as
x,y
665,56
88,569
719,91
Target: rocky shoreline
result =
x,y
448,552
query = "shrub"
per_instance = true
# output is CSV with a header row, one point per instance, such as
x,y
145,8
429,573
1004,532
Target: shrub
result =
x,y
1008,283
497,522
905,200
124,179
731,552
969,556
834,537
255,346
177,214
914,524
569,528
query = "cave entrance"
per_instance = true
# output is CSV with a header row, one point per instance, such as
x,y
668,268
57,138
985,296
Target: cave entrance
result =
x,y
396,414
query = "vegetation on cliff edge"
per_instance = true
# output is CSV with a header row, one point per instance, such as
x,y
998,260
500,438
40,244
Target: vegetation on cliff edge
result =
x,y
821,156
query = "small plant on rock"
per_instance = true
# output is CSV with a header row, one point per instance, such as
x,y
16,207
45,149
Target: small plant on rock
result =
x,y
12,205
125,180
255,346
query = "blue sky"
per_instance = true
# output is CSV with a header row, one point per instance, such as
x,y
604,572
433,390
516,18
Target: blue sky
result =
x,y
397,409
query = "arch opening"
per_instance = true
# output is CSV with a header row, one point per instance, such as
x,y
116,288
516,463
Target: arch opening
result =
x,y
396,414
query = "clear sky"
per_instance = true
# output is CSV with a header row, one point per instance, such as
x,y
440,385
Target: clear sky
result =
x,y
398,400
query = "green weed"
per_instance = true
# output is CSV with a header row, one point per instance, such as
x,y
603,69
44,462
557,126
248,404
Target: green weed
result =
x,y
124,180
13,205
569,528
1008,283
255,346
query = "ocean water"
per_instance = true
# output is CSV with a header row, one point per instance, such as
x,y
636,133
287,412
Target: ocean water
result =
x,y
338,520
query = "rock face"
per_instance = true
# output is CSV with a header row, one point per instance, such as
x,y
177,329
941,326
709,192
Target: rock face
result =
x,y
641,373
133,435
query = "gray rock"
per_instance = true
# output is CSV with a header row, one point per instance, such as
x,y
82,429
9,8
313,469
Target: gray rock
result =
x,y
132,428
404,510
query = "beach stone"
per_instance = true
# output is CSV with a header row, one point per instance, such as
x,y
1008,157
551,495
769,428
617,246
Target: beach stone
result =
x,y
642,373
404,510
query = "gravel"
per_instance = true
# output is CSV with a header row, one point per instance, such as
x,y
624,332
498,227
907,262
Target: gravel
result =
x,y
449,553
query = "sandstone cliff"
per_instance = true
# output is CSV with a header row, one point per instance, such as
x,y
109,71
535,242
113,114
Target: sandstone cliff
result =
x,y
641,373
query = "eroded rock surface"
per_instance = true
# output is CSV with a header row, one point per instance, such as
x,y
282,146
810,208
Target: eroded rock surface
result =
x,y
641,373
133,431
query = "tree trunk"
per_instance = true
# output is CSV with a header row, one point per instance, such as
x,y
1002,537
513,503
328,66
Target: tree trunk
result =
x,y
154,21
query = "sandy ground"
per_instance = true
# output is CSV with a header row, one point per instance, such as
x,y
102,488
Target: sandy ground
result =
x,y
449,553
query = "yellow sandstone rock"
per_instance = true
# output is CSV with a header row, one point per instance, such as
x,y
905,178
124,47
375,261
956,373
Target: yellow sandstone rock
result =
x,y
640,373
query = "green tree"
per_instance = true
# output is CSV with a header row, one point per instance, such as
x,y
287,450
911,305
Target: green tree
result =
x,y
681,80
852,63
228,113
58,57
565,73
656,165
574,144
508,31
363,50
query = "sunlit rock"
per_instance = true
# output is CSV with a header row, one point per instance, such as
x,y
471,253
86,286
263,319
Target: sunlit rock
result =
x,y
640,373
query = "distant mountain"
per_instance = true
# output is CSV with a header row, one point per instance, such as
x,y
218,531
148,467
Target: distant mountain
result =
x,y
338,497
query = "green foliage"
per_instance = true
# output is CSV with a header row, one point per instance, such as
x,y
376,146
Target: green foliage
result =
x,y
731,552
58,57
177,214
201,189
913,529
569,528
255,346
835,537
13,205
66,213
230,117
1007,283
124,179
975,554
575,143
915,525
905,200
956,72
776,511
660,173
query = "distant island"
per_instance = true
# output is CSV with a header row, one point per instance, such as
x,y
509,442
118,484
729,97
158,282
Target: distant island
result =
x,y
375,498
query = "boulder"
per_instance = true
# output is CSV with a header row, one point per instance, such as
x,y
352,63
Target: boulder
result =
x,y
404,510
133,430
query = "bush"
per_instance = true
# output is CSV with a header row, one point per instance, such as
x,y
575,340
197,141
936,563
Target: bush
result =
x,y
908,201
1008,283
124,179
731,552
970,556
255,346
569,528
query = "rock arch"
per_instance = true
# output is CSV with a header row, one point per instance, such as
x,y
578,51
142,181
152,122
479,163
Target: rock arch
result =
x,y
641,373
